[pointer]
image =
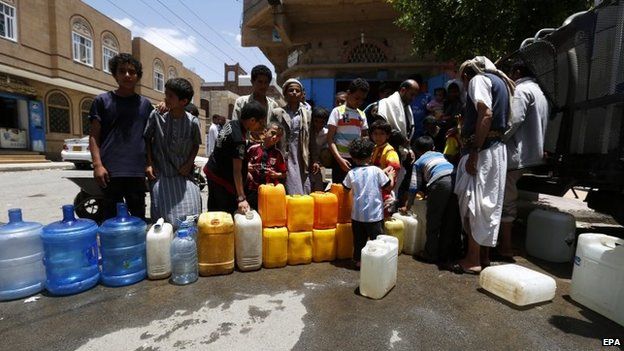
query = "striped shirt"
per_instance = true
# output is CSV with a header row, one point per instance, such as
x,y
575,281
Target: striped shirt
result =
x,y
349,125
429,167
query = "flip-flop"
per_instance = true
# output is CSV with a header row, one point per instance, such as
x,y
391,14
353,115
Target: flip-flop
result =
x,y
468,270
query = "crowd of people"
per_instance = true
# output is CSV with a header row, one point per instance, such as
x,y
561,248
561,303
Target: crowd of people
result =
x,y
462,151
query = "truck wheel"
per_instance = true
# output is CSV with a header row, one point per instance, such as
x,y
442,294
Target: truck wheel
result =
x,y
88,206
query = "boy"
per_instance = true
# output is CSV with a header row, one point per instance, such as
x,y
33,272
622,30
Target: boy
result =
x,y
172,141
319,152
346,123
266,163
366,182
226,170
436,106
385,156
118,119
433,172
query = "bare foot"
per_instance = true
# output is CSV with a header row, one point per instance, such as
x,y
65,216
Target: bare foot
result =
x,y
469,267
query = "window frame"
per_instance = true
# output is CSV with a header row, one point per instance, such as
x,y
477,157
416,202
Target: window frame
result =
x,y
14,21
158,76
89,40
68,108
105,67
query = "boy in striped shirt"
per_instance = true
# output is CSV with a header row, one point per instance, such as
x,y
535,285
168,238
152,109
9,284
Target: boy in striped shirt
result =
x,y
432,172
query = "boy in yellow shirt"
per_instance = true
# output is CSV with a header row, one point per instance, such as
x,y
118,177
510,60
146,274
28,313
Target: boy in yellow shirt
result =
x,y
384,157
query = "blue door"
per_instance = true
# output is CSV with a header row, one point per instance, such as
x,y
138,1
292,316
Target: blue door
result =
x,y
36,125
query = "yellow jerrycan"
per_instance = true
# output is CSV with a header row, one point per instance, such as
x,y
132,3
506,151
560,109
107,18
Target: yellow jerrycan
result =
x,y
344,241
395,227
299,248
215,243
274,247
300,213
272,205
323,245
325,210
345,202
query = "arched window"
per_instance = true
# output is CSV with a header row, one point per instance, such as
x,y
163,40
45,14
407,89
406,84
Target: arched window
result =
x,y
172,73
85,108
110,48
82,39
366,53
159,76
59,117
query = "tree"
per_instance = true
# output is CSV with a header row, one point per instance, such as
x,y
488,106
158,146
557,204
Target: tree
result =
x,y
461,29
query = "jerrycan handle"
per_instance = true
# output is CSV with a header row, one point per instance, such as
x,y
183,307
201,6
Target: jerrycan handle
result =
x,y
68,213
159,223
122,210
249,215
15,215
215,221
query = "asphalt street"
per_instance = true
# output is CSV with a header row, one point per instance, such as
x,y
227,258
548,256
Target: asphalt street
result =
x,y
307,307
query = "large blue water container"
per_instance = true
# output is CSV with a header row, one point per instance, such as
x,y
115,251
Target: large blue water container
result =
x,y
21,258
71,254
122,243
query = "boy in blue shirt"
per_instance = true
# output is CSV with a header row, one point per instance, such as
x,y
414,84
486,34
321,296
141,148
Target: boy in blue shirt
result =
x,y
432,172
366,181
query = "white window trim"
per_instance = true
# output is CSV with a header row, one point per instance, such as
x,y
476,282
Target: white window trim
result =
x,y
162,79
104,60
74,51
14,39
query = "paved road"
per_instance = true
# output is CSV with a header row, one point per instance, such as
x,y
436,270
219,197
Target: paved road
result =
x,y
302,307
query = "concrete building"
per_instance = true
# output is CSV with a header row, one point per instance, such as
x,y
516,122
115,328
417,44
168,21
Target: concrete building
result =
x,y
327,43
53,60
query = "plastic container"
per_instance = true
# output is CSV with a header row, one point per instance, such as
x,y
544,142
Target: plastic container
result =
x,y
344,241
122,243
300,212
598,276
272,205
413,240
325,210
71,254
248,240
345,202
518,285
299,248
378,271
323,245
183,258
274,247
158,248
550,235
21,258
215,246
395,227
419,209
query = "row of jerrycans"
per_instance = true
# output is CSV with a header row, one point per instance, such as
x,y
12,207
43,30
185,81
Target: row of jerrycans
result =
x,y
409,228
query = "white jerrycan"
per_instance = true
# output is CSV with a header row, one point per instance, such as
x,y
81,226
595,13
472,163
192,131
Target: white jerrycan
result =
x,y
248,240
158,246
519,285
413,242
378,271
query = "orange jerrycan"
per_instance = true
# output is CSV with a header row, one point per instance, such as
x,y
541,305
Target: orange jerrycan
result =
x,y
323,245
215,243
344,241
300,212
345,202
272,205
274,247
395,227
325,210
299,248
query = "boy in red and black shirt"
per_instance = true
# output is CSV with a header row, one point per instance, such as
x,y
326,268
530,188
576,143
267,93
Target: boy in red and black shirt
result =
x,y
266,163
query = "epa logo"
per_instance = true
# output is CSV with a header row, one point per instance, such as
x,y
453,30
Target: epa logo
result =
x,y
611,342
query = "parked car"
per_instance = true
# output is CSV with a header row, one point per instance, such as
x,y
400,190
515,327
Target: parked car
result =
x,y
77,152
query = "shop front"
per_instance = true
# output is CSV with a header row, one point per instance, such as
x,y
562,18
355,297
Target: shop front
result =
x,y
22,122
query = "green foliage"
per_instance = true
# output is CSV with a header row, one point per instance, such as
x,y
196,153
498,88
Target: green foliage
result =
x,y
460,29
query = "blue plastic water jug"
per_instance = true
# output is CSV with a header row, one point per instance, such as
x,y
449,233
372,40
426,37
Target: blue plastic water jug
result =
x,y
21,258
184,269
71,254
122,243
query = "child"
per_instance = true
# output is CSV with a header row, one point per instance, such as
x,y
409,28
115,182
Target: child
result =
x,y
319,151
436,106
433,172
266,163
385,156
346,123
366,182
172,141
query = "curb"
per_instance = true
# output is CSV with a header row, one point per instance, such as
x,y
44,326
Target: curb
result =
x,y
18,167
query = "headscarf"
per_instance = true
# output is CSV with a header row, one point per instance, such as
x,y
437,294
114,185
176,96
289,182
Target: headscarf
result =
x,y
289,82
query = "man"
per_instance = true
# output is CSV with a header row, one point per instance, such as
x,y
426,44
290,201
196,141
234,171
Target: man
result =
x,y
481,171
396,107
261,77
419,106
118,119
525,144
213,133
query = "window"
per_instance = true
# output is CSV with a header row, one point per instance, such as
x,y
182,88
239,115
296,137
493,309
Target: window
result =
x,y
172,73
110,48
85,107
58,113
82,42
159,76
7,22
